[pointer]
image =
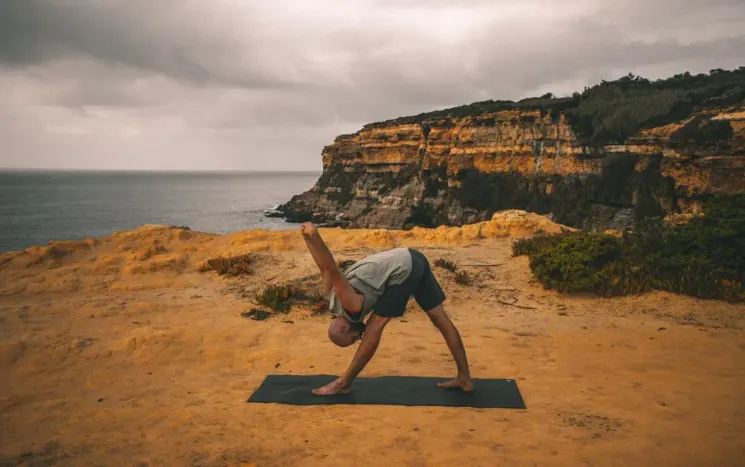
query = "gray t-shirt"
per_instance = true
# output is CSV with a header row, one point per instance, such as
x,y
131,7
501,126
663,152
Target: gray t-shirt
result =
x,y
371,276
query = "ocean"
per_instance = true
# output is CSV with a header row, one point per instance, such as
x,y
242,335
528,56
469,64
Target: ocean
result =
x,y
39,206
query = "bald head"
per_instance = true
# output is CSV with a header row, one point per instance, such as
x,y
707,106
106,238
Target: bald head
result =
x,y
344,333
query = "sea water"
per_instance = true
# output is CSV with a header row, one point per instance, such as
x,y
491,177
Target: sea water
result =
x,y
39,206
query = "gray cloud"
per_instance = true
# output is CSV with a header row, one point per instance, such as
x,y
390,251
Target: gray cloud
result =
x,y
249,84
181,40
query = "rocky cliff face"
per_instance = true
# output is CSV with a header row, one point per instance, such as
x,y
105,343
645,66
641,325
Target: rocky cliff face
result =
x,y
458,170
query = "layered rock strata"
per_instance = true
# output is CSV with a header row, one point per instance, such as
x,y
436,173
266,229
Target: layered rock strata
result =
x,y
454,171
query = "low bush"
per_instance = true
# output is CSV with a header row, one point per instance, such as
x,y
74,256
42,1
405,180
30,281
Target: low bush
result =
x,y
446,264
532,245
321,306
277,297
229,265
704,257
320,302
575,263
463,278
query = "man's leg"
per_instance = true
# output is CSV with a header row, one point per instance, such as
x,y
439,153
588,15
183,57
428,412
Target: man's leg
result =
x,y
452,337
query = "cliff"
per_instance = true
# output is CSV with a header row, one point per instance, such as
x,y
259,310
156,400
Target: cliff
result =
x,y
620,150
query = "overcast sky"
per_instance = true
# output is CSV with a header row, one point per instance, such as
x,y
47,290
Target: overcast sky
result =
x,y
259,84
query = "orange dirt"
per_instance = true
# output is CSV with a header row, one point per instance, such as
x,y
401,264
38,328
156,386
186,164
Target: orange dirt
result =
x,y
117,351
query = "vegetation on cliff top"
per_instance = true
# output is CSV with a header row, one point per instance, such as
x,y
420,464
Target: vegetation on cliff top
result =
x,y
704,257
277,297
229,265
451,266
612,111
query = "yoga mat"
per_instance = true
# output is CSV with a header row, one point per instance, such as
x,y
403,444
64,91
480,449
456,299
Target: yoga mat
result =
x,y
389,390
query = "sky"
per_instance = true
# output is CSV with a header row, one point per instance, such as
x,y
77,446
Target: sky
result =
x,y
265,85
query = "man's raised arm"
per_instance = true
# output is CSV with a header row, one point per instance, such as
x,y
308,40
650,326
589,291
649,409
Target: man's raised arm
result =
x,y
349,298
309,231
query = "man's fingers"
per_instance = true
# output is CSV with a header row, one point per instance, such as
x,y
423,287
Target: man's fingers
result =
x,y
306,228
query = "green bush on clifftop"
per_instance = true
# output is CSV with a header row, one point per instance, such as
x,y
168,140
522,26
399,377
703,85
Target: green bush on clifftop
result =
x,y
612,111
277,297
703,258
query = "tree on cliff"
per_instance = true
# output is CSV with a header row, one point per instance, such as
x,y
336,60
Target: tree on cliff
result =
x,y
612,111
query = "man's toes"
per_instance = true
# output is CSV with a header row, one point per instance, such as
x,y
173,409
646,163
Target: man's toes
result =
x,y
448,384
456,384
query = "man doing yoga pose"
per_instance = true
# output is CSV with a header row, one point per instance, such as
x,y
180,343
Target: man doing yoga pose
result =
x,y
380,286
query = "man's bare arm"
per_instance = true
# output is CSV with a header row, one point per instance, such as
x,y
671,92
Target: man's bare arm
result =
x,y
364,353
332,276
366,349
307,230
318,249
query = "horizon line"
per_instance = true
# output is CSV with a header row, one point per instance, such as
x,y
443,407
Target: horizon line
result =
x,y
39,169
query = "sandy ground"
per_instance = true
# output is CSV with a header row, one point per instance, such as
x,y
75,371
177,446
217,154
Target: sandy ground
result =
x,y
117,351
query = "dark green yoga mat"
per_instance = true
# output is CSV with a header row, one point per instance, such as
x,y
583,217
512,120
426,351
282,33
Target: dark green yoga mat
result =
x,y
389,390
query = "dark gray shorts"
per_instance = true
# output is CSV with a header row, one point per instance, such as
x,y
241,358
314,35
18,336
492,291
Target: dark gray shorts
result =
x,y
421,284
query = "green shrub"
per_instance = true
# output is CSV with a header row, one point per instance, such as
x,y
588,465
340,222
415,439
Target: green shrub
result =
x,y
463,278
532,245
230,265
277,297
700,131
320,306
446,264
703,258
319,300
611,111
576,263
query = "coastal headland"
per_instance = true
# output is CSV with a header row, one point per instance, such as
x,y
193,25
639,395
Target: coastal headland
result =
x,y
122,351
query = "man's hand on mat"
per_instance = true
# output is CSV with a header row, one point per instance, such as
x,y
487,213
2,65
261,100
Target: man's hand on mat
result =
x,y
334,388
464,384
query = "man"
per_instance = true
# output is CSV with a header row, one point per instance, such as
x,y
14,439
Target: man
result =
x,y
380,286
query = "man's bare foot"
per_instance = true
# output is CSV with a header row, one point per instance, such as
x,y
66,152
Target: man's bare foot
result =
x,y
333,388
465,385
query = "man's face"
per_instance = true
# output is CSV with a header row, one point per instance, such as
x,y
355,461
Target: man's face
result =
x,y
341,334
